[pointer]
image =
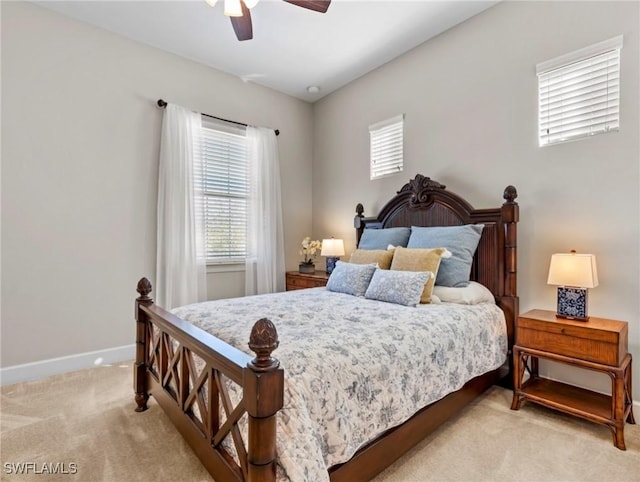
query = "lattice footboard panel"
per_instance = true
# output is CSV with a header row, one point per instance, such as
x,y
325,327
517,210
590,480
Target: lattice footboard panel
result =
x,y
223,402
210,399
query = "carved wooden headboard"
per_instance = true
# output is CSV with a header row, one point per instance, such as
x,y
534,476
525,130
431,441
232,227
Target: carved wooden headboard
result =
x,y
424,202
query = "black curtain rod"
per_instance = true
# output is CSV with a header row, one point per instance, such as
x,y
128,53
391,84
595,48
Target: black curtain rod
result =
x,y
162,104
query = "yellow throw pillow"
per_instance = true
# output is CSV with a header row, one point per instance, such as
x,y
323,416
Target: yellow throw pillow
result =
x,y
367,256
410,259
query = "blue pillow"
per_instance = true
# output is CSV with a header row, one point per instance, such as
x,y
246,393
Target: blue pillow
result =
x,y
350,278
399,287
381,238
462,241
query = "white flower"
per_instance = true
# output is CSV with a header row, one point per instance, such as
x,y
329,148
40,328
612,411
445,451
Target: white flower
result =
x,y
309,249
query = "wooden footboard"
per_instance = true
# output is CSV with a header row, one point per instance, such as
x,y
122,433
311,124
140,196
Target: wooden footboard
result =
x,y
188,372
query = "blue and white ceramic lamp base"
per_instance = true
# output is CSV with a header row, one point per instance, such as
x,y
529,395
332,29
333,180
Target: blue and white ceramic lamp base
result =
x,y
572,303
331,264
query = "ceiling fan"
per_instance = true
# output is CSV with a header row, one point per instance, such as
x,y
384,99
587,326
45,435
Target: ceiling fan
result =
x,y
238,12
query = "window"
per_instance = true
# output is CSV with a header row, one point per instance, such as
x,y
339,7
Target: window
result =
x,y
387,147
223,176
579,93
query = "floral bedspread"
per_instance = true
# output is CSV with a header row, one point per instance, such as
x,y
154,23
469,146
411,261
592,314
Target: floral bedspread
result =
x,y
355,367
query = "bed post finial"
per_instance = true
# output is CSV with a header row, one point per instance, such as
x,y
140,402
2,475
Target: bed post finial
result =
x,y
358,222
264,395
144,288
510,194
263,341
140,367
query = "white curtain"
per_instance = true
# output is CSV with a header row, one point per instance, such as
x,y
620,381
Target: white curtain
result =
x,y
181,263
265,266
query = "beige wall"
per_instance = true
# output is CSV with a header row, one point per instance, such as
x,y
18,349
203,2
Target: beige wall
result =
x,y
469,96
80,135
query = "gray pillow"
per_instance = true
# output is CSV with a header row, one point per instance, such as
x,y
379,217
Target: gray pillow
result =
x,y
349,278
462,241
381,238
399,287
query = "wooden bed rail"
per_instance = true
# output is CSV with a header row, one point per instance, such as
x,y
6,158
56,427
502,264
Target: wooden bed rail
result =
x,y
188,372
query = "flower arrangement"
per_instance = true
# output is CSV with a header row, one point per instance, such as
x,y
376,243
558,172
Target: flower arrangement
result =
x,y
309,250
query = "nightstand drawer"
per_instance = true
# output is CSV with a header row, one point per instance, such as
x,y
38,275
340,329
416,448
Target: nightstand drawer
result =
x,y
299,281
296,282
597,340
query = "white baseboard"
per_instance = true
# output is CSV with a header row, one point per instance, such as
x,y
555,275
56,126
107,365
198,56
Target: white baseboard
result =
x,y
55,366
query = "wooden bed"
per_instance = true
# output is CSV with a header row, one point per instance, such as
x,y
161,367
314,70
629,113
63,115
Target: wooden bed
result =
x,y
167,349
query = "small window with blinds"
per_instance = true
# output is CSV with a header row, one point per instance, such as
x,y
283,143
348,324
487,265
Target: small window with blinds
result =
x,y
579,93
223,178
386,138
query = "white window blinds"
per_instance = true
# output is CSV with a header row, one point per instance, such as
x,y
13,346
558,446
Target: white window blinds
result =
x,y
386,139
579,93
223,178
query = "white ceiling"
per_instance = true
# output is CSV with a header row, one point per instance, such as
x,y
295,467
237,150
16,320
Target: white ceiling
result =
x,y
292,47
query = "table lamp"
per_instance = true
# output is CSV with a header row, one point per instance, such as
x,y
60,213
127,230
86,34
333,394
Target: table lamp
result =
x,y
573,273
332,249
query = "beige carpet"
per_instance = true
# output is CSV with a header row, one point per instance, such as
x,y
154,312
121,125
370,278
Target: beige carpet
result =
x,y
87,418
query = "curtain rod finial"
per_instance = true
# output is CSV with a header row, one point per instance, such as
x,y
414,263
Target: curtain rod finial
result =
x,y
161,103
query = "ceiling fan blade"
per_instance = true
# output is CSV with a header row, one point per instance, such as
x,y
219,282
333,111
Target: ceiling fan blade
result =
x,y
317,5
242,25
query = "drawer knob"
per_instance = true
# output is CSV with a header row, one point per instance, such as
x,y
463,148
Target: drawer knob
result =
x,y
561,330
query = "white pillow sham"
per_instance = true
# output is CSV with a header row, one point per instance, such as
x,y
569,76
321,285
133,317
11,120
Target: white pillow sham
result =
x,y
472,294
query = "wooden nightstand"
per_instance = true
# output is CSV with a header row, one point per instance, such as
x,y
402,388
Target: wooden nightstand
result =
x,y
299,281
598,344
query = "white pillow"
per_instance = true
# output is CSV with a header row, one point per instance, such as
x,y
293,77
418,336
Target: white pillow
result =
x,y
472,294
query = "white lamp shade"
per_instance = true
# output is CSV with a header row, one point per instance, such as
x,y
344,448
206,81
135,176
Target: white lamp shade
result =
x,y
332,247
232,8
573,269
